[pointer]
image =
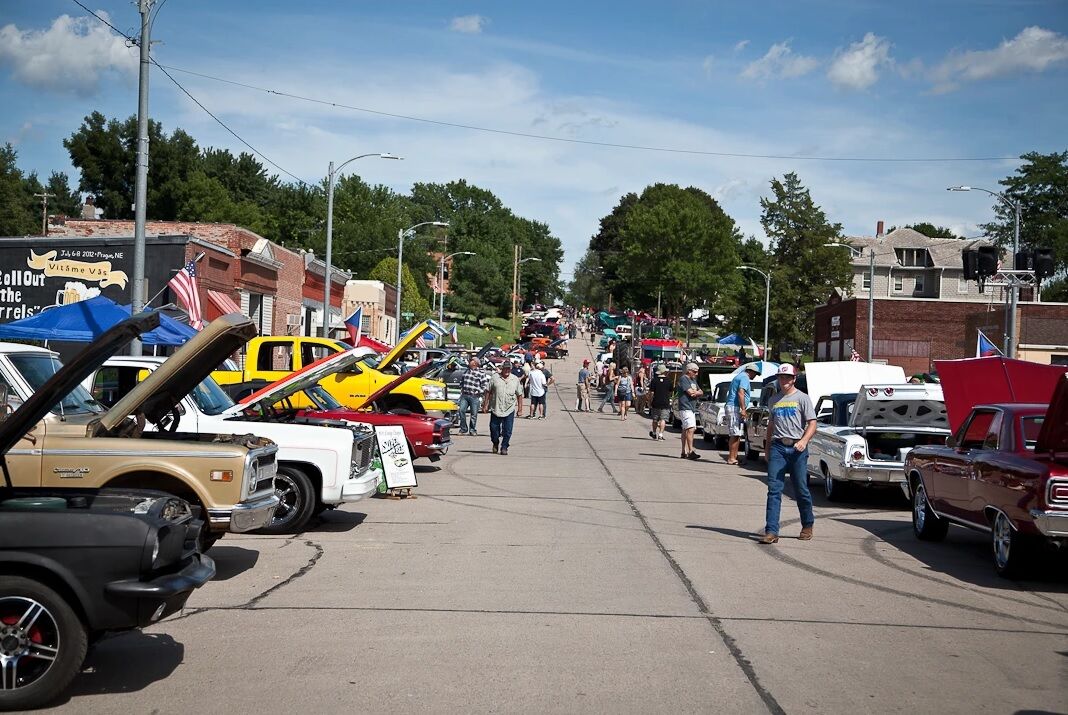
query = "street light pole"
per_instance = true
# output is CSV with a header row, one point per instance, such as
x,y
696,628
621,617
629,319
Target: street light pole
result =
x,y
331,176
1010,328
137,297
767,302
401,235
441,283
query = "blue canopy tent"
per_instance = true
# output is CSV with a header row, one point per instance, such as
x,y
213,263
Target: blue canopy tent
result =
x,y
734,339
83,321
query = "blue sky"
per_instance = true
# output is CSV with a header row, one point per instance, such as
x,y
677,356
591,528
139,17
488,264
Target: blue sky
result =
x,y
841,79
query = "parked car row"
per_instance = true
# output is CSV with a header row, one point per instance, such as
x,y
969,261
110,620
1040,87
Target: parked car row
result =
x,y
109,535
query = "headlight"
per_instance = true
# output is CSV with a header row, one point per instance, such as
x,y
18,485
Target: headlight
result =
x,y
433,392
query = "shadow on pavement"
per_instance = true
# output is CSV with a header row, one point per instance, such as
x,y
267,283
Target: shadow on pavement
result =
x,y
747,535
337,521
964,555
232,561
126,664
426,468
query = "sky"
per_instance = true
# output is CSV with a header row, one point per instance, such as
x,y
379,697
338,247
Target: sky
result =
x,y
707,88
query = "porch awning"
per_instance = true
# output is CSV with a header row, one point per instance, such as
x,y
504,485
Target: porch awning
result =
x,y
223,302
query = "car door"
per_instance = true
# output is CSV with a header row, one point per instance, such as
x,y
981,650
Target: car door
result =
x,y
951,490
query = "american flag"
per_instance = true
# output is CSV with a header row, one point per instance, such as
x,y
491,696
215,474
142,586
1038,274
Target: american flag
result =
x,y
184,285
419,342
854,356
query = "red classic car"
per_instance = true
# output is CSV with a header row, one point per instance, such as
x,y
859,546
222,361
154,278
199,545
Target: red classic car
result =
x,y
1004,471
427,436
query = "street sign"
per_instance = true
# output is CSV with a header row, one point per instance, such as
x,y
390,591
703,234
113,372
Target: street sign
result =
x,y
407,315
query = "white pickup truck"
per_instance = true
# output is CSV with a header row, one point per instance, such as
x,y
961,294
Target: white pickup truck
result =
x,y
863,438
319,467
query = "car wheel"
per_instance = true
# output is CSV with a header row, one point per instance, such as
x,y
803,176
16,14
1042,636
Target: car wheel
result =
x,y
709,437
1010,548
42,644
722,442
750,453
833,489
927,525
296,502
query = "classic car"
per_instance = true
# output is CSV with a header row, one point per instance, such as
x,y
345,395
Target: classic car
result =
x,y
76,563
80,443
1004,471
427,436
319,467
817,380
712,414
881,424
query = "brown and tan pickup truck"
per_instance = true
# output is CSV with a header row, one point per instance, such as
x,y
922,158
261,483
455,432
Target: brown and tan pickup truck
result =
x,y
80,444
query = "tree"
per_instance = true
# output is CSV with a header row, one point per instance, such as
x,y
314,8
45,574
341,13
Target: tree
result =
x,y
17,217
805,271
63,202
587,286
744,305
411,300
1040,185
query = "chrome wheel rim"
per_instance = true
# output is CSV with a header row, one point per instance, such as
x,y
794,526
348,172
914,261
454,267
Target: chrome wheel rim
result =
x,y
29,642
289,501
1002,540
919,507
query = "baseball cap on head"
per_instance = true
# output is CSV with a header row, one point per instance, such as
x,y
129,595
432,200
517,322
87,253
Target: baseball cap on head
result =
x,y
751,367
692,366
661,369
787,369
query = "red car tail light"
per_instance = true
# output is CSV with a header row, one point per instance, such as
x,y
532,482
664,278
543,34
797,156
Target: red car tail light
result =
x,y
1057,492
857,455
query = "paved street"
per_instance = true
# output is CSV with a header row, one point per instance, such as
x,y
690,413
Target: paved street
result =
x,y
593,570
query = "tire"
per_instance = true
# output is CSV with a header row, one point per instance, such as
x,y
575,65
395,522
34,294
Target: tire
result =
x,y
55,628
833,489
722,442
927,525
1011,550
297,496
709,437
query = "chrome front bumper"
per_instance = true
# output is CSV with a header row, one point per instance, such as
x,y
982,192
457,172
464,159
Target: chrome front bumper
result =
x,y
362,486
1051,523
246,516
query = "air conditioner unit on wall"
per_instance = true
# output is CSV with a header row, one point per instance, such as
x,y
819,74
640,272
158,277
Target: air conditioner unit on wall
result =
x,y
292,320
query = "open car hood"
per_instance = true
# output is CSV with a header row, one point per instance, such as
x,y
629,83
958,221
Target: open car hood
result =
x,y
406,342
179,374
1053,437
85,363
308,376
899,405
827,378
980,381
395,383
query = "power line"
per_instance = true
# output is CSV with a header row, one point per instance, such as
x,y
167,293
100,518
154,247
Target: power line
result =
x,y
588,142
187,93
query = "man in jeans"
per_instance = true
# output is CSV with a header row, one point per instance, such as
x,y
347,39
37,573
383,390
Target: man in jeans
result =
x,y
506,399
791,424
472,385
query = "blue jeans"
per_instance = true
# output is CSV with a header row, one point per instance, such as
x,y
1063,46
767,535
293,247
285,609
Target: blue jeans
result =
x,y
609,398
472,403
780,460
501,429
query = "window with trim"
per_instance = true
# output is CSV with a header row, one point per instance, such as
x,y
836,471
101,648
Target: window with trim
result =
x,y
275,356
865,281
912,257
962,284
921,281
982,429
898,284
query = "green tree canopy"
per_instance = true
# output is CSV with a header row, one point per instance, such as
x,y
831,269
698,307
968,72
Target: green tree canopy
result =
x,y
17,212
805,271
411,300
929,230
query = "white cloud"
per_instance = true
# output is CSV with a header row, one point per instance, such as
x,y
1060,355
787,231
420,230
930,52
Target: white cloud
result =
x,y
857,67
780,61
741,45
709,65
469,24
72,55
1034,49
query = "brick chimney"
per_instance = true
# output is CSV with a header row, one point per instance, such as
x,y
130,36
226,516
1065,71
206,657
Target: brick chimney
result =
x,y
879,229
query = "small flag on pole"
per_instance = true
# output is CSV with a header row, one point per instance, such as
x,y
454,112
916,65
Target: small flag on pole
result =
x,y
184,285
454,334
854,356
354,324
985,348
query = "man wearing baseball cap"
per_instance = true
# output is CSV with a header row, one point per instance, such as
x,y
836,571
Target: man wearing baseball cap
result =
x,y
688,392
506,400
791,424
660,402
582,403
736,409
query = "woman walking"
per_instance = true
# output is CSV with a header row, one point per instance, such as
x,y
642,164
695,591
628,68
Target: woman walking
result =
x,y
624,391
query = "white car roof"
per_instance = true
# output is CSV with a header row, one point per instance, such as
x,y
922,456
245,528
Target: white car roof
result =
x,y
20,348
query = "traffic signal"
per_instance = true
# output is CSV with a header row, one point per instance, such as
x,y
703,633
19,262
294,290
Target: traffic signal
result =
x,y
987,263
971,264
1044,262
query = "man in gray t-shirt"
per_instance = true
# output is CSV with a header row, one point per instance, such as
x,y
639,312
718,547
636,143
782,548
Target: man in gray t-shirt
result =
x,y
791,424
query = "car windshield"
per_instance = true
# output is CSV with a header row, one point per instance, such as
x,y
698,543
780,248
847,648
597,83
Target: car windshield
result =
x,y
1029,428
322,399
720,393
36,369
210,398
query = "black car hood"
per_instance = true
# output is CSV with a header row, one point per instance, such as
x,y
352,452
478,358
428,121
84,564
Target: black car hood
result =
x,y
85,363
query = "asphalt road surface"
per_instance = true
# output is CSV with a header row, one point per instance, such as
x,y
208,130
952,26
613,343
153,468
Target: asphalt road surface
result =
x,y
592,570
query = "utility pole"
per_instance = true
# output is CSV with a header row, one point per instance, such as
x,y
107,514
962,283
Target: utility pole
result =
x,y
44,211
137,297
516,251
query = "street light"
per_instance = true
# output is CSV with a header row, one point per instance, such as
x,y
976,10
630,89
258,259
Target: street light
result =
x,y
871,291
1010,329
401,235
767,302
441,282
331,175
516,278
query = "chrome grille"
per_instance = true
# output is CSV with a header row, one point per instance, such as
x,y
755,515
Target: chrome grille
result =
x,y
265,467
363,451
